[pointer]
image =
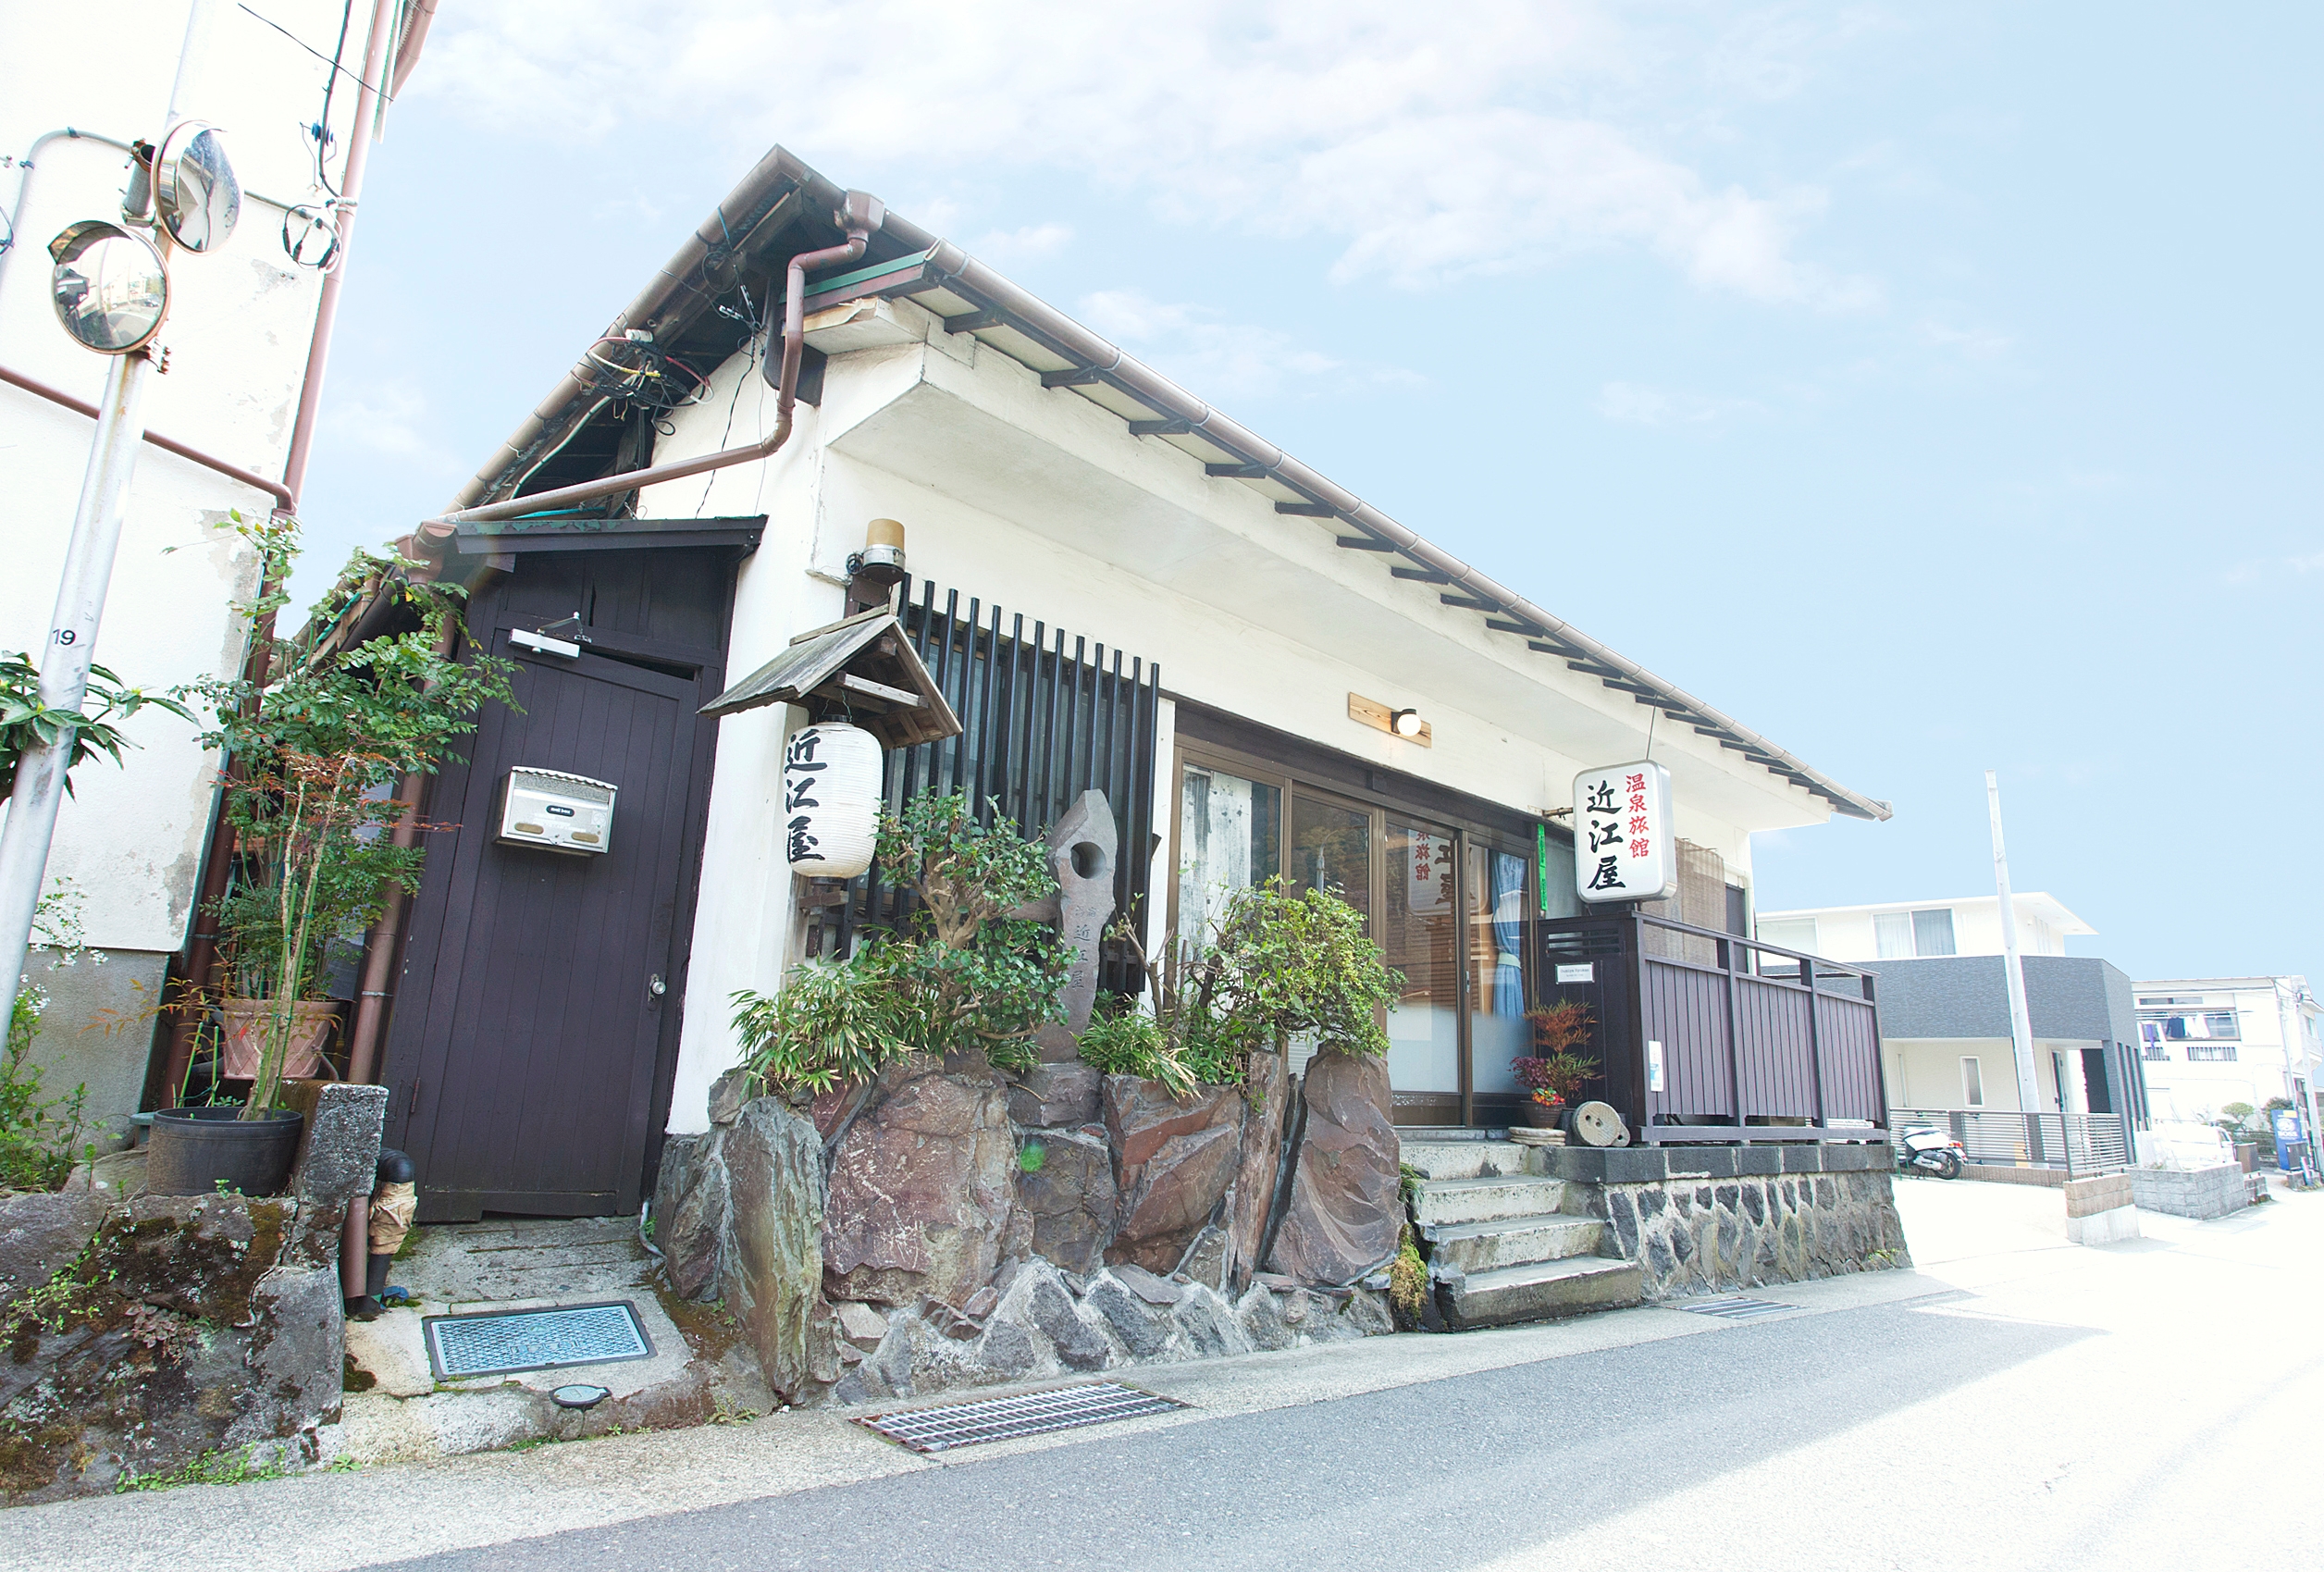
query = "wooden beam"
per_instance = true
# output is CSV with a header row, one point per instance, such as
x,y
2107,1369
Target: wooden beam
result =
x,y
1502,624
973,321
866,687
1236,471
1363,543
1161,427
1469,603
1307,509
1422,575
1073,376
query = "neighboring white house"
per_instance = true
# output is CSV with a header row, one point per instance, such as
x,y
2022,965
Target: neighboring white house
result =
x,y
237,335
2211,1041
1943,1002
1900,930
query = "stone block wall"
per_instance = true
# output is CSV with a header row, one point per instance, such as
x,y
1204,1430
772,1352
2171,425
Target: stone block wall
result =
x,y
1698,1220
2199,1193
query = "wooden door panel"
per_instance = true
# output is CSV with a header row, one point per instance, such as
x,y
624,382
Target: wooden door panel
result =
x,y
536,1044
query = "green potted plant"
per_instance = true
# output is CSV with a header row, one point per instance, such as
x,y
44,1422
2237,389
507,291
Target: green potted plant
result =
x,y
964,980
315,744
1556,1072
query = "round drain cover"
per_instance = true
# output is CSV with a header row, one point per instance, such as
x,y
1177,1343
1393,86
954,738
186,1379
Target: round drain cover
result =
x,y
1596,1124
580,1394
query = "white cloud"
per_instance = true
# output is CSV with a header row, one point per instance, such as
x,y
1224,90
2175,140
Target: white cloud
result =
x,y
1424,145
1193,345
1014,245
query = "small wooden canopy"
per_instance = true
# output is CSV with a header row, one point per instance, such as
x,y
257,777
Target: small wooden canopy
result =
x,y
864,668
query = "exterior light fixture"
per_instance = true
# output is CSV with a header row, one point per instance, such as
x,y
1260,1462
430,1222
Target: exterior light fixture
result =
x,y
110,288
1405,725
195,194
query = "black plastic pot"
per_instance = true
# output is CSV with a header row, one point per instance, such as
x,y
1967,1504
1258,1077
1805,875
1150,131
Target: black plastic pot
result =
x,y
193,1151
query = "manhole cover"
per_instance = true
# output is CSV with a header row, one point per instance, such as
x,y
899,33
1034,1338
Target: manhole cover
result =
x,y
999,1419
1737,1309
500,1342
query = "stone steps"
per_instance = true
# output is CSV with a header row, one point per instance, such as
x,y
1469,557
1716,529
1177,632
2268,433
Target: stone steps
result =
x,y
1441,1201
1466,1159
1475,1247
1539,1291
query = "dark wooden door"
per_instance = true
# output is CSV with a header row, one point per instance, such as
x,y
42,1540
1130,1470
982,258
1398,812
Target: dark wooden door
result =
x,y
529,1069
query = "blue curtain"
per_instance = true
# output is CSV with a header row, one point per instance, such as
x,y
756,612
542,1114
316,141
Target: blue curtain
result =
x,y
1509,882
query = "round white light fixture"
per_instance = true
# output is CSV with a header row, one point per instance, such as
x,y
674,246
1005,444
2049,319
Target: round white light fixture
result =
x,y
1405,723
110,288
194,188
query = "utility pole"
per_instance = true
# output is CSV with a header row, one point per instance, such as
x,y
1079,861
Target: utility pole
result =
x,y
2021,1021
96,538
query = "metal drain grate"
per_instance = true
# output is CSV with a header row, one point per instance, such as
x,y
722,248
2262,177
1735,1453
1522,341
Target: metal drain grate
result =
x,y
1737,1309
501,1343
1000,1418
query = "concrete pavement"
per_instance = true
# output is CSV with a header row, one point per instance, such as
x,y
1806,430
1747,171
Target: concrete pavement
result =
x,y
2016,1401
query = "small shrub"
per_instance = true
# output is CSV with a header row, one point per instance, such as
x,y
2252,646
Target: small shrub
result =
x,y
1407,1283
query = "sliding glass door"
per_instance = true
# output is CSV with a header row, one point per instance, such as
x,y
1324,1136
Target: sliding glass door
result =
x,y
1445,902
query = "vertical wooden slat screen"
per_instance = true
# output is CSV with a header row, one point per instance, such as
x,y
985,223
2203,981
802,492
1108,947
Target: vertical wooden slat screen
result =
x,y
1039,726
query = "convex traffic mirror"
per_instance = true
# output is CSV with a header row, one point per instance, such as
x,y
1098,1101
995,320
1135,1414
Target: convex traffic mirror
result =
x,y
194,188
110,288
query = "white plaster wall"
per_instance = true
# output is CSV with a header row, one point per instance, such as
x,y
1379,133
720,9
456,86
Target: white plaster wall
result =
x,y
238,332
1926,1072
1060,534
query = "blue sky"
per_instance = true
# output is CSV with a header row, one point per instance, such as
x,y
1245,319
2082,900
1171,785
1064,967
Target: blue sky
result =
x,y
1950,368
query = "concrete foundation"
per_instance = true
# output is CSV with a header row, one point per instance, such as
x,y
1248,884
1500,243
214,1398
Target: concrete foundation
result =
x,y
2100,1210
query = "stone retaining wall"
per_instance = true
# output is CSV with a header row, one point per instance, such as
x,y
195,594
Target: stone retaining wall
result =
x,y
1697,1220
2199,1193
918,1233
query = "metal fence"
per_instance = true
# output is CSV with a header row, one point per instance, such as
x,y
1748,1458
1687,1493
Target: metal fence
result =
x,y
1042,720
2079,1143
1711,1037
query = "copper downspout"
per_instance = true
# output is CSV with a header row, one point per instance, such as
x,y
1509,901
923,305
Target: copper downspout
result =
x,y
318,348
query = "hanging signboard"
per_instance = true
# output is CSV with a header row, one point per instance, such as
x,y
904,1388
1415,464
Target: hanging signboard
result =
x,y
1624,847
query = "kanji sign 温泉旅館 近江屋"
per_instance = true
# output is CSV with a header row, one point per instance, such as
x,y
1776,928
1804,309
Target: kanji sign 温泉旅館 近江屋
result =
x,y
1622,845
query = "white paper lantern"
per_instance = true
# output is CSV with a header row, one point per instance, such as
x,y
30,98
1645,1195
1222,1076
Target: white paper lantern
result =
x,y
831,800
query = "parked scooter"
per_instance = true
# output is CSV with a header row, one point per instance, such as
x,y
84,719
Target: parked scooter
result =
x,y
1923,1149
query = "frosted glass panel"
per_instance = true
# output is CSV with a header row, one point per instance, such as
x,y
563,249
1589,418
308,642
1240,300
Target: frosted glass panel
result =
x,y
1420,936
1892,931
1229,836
1499,886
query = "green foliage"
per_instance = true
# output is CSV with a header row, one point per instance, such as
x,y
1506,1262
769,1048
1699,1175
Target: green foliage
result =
x,y
26,722
967,978
41,1137
1283,965
1555,1073
318,739
1407,1283
222,1467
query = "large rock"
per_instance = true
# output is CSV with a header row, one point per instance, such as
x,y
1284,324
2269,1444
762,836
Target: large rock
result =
x,y
1054,1095
691,1212
1267,1111
1345,1214
183,1331
40,1232
773,1265
922,1203
1174,1160
1069,1195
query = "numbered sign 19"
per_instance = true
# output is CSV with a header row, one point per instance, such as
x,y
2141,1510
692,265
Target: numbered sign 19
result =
x,y
1624,848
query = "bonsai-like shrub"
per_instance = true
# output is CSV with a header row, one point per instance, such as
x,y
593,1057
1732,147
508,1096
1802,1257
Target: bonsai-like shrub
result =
x,y
1556,1073
316,745
1283,965
966,977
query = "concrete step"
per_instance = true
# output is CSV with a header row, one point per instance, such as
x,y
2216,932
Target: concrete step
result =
x,y
1441,1201
1543,1291
1512,1241
1466,1159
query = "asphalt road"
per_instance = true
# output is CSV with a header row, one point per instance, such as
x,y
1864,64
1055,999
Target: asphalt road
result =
x,y
2015,1402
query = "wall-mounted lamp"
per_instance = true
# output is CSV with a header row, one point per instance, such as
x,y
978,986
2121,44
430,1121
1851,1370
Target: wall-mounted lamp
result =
x,y
1405,725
